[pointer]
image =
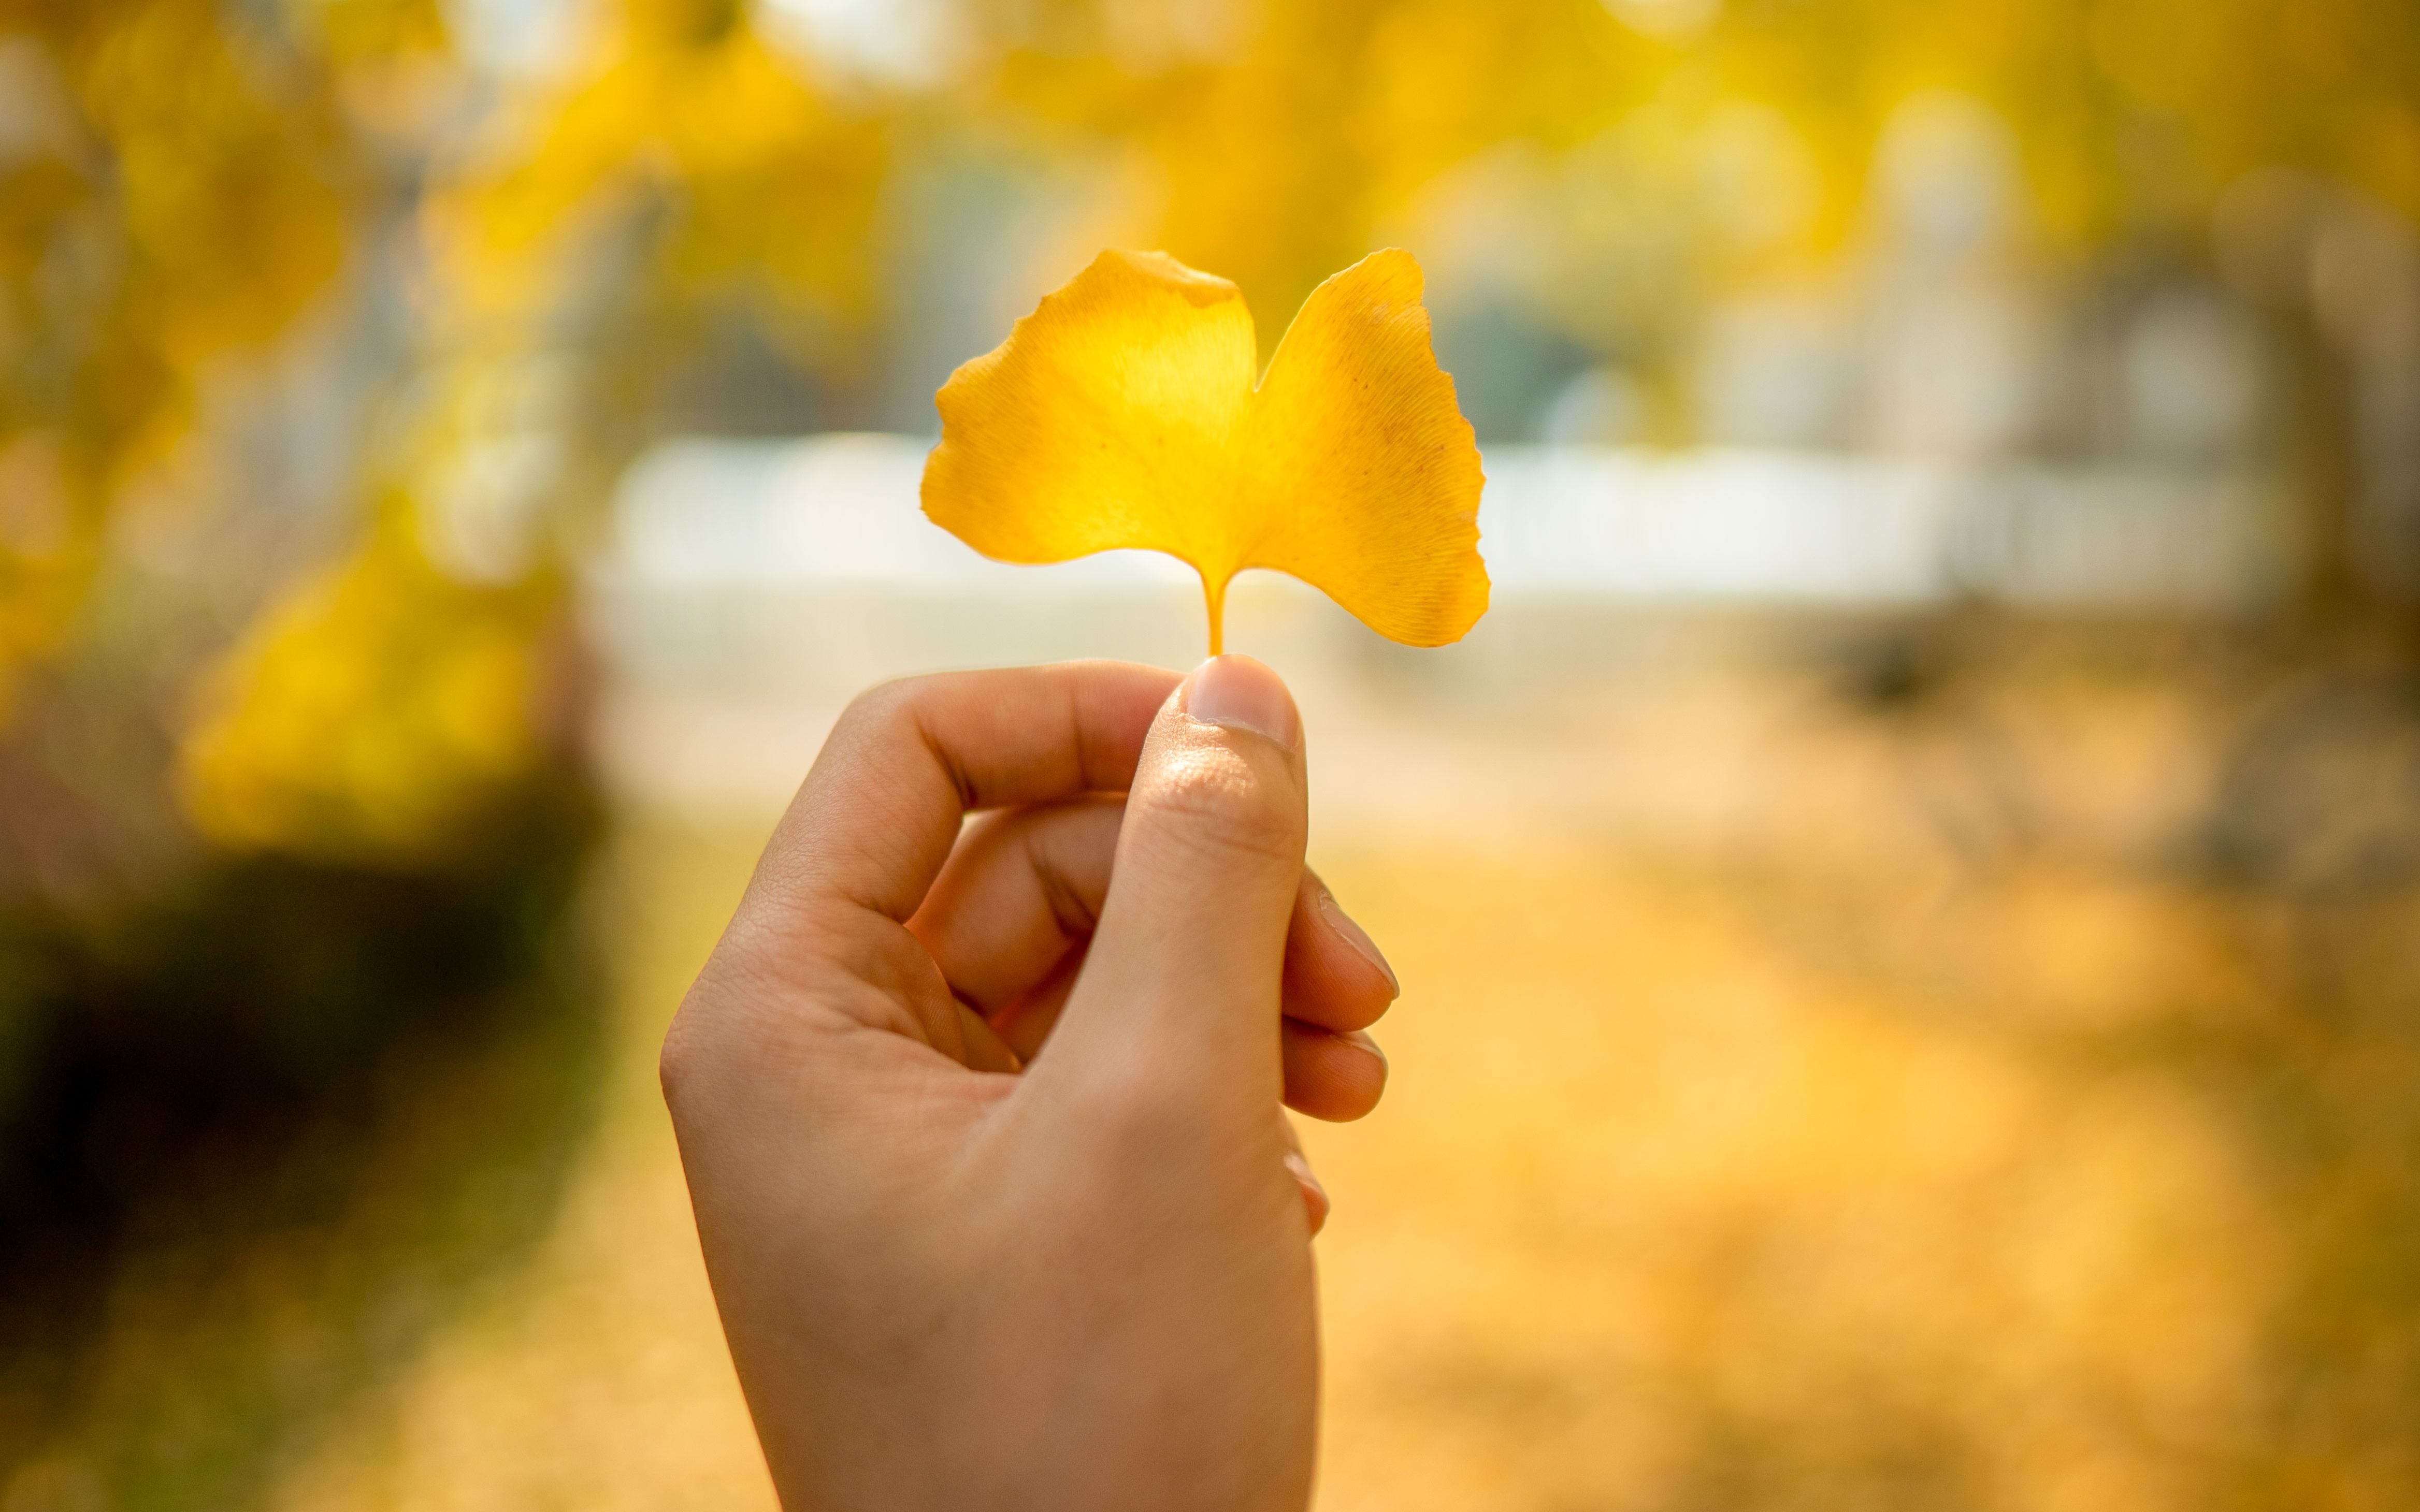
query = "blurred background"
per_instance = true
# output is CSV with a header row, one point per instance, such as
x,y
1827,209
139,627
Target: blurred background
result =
x,y
1909,904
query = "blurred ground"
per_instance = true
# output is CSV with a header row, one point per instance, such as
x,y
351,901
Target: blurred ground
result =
x,y
1842,1065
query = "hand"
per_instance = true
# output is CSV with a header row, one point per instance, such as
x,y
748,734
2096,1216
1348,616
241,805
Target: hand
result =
x,y
951,1283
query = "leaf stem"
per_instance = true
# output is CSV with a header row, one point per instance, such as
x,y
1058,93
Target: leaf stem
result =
x,y
1215,595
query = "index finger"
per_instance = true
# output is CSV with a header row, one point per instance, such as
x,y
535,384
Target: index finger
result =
x,y
881,807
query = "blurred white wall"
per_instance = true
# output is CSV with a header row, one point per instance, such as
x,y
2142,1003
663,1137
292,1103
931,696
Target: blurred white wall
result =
x,y
753,587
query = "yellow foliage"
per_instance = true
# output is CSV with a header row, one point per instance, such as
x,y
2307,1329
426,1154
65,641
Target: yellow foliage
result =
x,y
46,553
1123,413
370,31
204,172
767,179
166,195
371,714
228,189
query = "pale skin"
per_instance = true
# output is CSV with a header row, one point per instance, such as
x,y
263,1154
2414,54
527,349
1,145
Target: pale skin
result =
x,y
982,1122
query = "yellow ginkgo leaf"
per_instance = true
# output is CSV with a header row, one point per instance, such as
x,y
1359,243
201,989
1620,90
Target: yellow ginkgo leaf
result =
x,y
1123,413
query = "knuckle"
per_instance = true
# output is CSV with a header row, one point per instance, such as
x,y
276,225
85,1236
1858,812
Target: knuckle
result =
x,y
1213,798
713,1033
882,704
678,1063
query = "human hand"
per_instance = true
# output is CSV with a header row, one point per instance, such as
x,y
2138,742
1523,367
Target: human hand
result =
x,y
1088,1285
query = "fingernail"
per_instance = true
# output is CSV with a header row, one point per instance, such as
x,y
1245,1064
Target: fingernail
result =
x,y
1359,1039
1237,691
1342,924
1315,1197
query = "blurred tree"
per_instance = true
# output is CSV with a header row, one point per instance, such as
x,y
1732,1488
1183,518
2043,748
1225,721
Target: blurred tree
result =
x,y
181,179
571,245
172,188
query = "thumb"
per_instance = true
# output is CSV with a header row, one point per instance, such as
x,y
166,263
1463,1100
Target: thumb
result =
x,y
1182,984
